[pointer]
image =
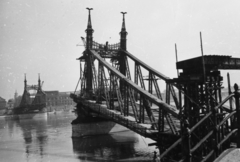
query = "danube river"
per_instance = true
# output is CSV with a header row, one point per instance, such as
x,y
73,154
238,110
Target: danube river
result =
x,y
49,139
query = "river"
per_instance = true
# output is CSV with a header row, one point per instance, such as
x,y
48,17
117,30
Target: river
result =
x,y
49,139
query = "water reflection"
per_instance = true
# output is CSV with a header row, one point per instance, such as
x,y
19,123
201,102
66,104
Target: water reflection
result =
x,y
49,139
34,133
10,124
107,147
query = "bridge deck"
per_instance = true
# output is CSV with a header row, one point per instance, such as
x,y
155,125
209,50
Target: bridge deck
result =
x,y
143,129
116,116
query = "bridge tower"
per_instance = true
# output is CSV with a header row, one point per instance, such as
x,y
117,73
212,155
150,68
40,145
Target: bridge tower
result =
x,y
31,101
26,96
88,72
123,46
122,60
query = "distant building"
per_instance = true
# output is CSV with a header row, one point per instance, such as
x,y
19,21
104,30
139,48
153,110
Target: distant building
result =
x,y
51,98
3,103
64,98
3,106
17,101
10,104
58,100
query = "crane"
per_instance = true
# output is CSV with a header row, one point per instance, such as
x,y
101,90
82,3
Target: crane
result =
x,y
84,43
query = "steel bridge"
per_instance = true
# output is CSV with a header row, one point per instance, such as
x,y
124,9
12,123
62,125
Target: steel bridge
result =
x,y
31,101
191,122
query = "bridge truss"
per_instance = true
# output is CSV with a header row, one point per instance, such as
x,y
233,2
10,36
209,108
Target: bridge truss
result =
x,y
31,102
191,116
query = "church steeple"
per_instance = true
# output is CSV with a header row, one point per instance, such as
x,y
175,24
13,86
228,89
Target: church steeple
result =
x,y
123,34
15,95
89,30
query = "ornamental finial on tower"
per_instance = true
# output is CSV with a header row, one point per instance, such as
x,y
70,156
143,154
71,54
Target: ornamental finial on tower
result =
x,y
123,23
89,26
39,80
25,81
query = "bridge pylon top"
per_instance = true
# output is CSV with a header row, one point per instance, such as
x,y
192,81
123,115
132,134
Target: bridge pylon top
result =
x,y
89,30
123,33
25,81
89,26
123,23
39,81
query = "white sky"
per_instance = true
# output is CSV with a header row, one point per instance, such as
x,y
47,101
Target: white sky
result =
x,y
40,36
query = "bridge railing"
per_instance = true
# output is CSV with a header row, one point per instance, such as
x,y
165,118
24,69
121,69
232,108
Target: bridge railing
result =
x,y
106,47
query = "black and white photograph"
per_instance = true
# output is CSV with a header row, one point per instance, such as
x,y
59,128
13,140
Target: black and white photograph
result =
x,y
119,80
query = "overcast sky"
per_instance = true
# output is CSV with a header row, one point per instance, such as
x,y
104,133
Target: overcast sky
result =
x,y
40,36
